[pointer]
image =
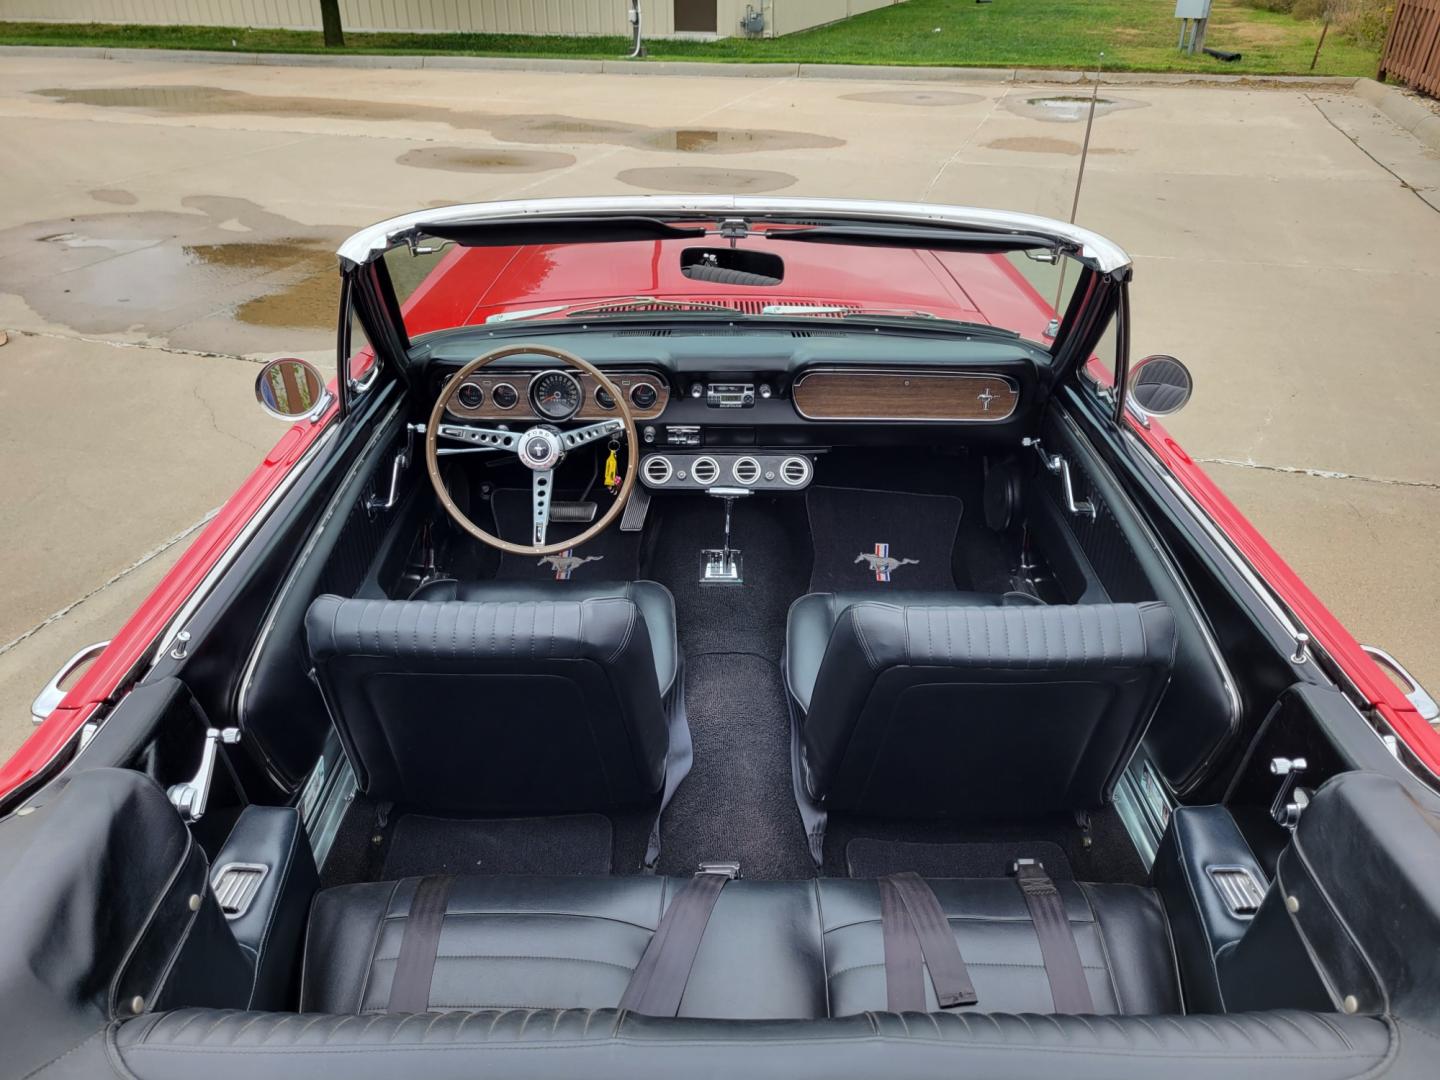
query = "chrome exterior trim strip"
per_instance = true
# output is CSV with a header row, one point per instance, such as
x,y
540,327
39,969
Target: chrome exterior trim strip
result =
x,y
1096,252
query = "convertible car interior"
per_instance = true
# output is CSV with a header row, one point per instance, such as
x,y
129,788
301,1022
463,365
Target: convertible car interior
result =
x,y
736,636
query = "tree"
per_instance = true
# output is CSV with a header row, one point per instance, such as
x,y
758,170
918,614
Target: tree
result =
x,y
330,22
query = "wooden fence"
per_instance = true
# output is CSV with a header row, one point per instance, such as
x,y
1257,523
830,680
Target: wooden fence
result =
x,y
1412,47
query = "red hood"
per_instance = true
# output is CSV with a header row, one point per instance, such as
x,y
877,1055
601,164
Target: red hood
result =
x,y
471,284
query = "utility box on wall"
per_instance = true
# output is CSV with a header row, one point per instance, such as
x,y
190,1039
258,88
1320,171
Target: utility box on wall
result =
x,y
1192,9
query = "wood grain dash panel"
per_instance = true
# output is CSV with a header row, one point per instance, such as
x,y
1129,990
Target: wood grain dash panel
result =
x,y
933,396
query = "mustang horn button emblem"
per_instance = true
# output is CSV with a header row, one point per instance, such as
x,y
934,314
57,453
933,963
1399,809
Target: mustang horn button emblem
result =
x,y
540,449
882,562
566,563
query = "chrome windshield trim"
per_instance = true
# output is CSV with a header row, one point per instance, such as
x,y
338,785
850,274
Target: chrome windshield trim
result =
x,y
1095,251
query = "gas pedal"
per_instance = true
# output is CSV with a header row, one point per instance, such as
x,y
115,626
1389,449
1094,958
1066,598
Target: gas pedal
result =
x,y
633,519
576,512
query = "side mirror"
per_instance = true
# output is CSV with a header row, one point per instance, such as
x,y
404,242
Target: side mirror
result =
x,y
1160,385
289,389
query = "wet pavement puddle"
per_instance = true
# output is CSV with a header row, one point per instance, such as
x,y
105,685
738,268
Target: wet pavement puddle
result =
x,y
1067,108
225,276
523,128
720,181
914,97
482,160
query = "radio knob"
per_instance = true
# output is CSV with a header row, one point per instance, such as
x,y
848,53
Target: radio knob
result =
x,y
697,390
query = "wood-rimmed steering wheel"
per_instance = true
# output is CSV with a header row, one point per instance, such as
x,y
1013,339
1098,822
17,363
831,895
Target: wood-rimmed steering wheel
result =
x,y
540,448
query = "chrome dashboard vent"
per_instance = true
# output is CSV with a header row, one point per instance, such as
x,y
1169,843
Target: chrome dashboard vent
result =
x,y
657,470
745,471
795,470
704,471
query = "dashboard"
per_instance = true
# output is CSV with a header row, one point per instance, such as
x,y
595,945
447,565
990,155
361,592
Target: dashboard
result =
x,y
722,406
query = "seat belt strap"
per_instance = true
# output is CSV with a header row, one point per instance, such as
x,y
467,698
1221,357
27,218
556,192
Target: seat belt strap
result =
x,y
1068,988
931,930
419,946
658,982
904,967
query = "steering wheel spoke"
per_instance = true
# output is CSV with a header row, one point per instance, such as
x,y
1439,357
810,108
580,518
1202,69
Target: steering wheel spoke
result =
x,y
481,438
590,433
542,483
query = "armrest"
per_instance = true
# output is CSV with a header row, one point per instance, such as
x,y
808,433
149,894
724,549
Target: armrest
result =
x,y
1212,887
265,878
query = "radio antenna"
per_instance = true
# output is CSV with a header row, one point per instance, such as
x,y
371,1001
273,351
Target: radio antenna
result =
x,y
1054,326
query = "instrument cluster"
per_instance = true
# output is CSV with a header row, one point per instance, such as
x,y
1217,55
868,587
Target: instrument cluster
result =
x,y
555,395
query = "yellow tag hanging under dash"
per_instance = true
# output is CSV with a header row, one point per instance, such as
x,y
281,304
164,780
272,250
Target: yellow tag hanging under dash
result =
x,y
612,471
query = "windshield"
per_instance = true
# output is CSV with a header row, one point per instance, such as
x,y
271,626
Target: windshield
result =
x,y
764,274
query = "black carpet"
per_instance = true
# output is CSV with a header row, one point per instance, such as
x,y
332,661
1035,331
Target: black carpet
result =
x,y
775,551
1110,855
869,858
852,528
611,556
572,844
736,804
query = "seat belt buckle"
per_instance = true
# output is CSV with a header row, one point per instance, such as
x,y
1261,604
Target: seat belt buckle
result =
x,y
730,870
1020,867
955,1001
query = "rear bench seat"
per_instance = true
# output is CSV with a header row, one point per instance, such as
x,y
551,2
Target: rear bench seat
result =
x,y
771,950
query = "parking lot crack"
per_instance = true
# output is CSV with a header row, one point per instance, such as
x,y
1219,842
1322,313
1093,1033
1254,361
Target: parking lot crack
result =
x,y
1321,474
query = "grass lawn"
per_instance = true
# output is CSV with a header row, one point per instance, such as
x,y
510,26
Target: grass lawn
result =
x,y
1135,35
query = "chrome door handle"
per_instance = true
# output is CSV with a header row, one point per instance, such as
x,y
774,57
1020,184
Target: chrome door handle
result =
x,y
49,698
1424,704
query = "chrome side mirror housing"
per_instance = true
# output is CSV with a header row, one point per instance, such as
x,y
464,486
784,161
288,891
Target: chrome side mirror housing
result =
x,y
291,389
1159,385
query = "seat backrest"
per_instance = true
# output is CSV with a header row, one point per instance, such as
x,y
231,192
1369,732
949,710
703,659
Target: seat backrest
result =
x,y
935,710
505,707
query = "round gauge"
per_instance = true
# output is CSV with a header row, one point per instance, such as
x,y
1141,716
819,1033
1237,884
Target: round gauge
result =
x,y
643,395
604,398
504,396
555,395
470,395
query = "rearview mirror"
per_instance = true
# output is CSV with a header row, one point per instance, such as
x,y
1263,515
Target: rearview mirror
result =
x,y
1160,385
289,389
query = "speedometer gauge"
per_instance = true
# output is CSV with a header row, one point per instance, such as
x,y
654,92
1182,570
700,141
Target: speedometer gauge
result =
x,y
555,395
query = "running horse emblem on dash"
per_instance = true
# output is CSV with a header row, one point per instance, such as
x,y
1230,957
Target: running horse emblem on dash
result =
x,y
882,562
567,562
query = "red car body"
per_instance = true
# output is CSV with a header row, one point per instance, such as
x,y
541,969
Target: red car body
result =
x,y
471,284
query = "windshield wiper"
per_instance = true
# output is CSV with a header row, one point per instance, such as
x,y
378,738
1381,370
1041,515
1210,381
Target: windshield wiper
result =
x,y
620,305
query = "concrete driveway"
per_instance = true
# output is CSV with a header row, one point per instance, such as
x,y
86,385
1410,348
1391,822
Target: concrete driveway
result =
x,y
165,225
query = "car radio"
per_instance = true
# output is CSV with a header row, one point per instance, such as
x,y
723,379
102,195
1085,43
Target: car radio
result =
x,y
730,395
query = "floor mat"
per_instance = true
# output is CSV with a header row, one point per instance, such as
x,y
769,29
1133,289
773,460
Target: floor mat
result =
x,y
881,540
611,556
866,857
571,844
736,802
